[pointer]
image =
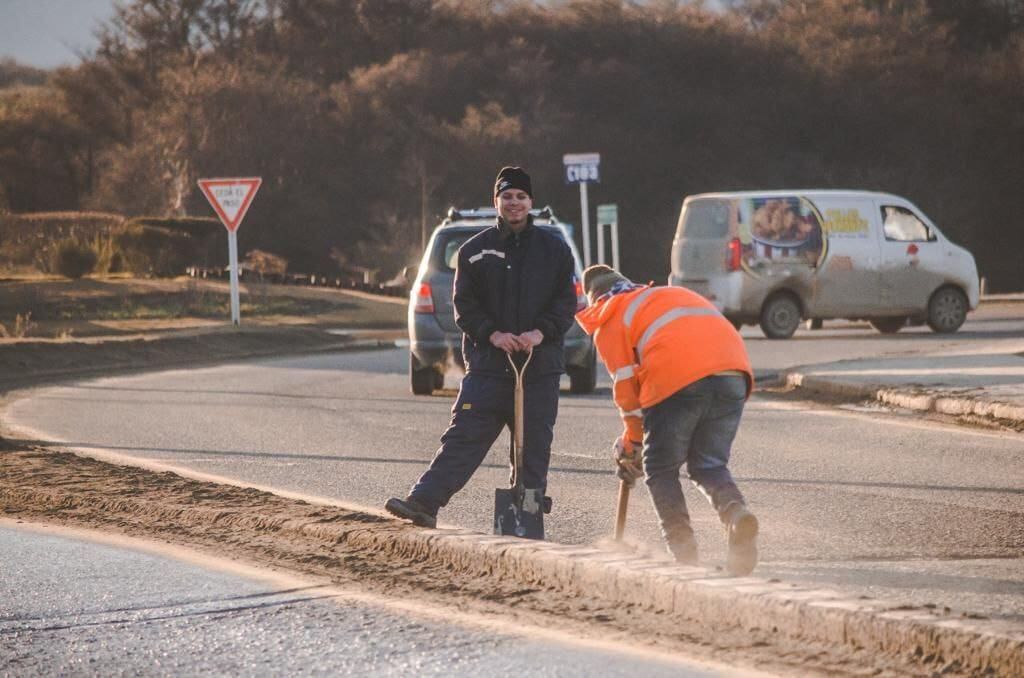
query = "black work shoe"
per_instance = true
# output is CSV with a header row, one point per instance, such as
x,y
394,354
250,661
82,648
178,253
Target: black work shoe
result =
x,y
412,510
742,556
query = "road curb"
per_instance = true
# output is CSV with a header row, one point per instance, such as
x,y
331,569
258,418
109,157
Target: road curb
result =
x,y
749,602
920,400
143,353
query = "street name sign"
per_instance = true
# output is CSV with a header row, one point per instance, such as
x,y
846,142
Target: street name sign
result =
x,y
582,168
230,199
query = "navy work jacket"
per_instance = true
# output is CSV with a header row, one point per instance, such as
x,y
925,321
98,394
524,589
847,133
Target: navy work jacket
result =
x,y
514,282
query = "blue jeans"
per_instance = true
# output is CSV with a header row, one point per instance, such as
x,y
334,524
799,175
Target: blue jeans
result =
x,y
694,426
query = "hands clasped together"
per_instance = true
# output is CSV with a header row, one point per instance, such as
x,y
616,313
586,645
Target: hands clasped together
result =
x,y
510,343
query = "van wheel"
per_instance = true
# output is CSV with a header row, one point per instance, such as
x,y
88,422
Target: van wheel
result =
x,y
947,310
423,380
735,323
888,325
583,379
780,316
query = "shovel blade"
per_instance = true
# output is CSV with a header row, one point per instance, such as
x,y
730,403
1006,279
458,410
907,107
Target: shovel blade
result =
x,y
519,513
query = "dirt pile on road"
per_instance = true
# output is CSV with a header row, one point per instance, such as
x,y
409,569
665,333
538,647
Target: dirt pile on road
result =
x,y
351,547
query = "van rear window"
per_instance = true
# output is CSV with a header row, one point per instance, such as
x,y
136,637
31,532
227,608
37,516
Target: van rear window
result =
x,y
704,219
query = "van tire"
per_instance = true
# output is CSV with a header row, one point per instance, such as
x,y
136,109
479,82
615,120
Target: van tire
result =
x,y
780,316
947,310
423,380
583,379
890,325
735,323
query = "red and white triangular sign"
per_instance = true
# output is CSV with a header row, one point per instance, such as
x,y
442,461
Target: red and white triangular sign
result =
x,y
230,198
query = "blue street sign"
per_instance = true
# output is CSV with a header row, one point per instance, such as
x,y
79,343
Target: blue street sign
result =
x,y
582,168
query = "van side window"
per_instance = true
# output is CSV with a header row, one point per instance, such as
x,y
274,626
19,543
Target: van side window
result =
x,y
902,225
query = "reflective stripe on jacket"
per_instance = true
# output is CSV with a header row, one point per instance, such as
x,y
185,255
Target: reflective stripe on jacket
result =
x,y
657,340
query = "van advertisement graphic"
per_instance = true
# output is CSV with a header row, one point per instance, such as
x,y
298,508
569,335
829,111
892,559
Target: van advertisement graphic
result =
x,y
778,231
845,224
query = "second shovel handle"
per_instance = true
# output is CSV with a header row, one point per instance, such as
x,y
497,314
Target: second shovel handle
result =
x,y
620,512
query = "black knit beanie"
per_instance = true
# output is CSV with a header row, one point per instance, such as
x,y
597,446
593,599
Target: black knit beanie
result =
x,y
512,177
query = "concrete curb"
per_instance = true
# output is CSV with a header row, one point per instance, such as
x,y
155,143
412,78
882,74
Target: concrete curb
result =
x,y
700,594
921,400
935,637
1015,298
94,367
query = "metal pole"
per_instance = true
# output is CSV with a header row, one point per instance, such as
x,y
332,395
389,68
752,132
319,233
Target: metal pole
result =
x,y
233,264
585,223
615,245
599,231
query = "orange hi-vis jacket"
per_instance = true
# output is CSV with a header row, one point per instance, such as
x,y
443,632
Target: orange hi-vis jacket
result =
x,y
657,340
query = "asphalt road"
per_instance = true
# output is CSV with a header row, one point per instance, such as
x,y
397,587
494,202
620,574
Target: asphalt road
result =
x,y
76,607
875,503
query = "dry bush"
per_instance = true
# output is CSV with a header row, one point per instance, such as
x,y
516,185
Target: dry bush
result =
x,y
23,325
73,259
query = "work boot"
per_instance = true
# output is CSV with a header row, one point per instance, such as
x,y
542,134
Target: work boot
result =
x,y
681,542
742,527
684,551
412,510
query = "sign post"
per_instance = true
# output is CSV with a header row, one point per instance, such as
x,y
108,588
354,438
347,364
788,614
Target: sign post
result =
x,y
230,199
608,215
583,169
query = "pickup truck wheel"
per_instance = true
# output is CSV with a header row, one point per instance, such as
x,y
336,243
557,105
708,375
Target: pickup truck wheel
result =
x,y
888,325
947,310
423,380
780,316
583,379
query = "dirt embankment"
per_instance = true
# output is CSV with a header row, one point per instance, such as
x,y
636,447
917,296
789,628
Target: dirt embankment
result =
x,y
51,486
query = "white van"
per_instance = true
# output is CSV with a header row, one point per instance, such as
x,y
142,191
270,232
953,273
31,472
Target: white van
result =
x,y
776,257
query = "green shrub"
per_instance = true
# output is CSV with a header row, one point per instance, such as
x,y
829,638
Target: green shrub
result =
x,y
72,259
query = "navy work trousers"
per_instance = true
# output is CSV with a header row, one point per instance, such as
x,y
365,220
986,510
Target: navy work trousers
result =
x,y
484,407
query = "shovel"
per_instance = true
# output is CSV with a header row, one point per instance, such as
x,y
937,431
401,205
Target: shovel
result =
x,y
518,511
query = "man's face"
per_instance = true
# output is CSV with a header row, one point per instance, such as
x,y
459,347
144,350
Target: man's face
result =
x,y
513,206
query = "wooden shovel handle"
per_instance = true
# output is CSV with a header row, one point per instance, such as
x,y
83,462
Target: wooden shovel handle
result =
x,y
620,512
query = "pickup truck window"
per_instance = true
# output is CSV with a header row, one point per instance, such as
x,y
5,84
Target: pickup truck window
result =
x,y
902,225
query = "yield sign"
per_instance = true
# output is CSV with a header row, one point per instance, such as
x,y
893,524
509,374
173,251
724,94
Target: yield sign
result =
x,y
230,198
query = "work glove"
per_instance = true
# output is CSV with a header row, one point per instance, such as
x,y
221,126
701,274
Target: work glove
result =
x,y
627,461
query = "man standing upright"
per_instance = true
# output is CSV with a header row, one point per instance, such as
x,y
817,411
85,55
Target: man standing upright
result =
x,y
680,377
514,293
